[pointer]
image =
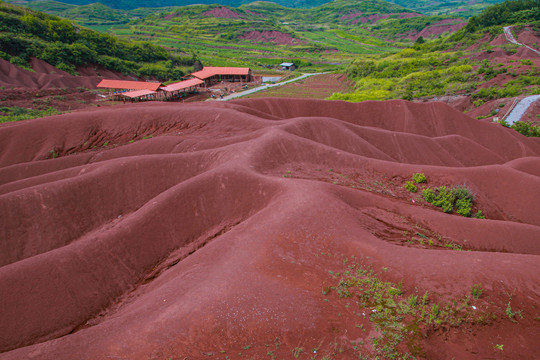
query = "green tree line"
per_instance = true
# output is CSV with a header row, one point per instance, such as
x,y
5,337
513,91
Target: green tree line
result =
x,y
26,33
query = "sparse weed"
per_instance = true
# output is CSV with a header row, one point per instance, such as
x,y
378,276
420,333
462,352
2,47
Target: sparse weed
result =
x,y
297,351
476,291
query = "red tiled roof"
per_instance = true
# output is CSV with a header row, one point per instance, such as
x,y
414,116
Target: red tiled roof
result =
x,y
135,94
183,85
130,85
207,71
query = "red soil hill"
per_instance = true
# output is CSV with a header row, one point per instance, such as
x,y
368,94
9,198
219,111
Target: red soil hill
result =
x,y
157,231
46,76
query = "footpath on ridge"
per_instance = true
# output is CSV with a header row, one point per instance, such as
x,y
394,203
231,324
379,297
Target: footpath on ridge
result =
x,y
510,37
522,107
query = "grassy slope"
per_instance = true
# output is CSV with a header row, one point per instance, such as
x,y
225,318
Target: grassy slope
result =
x,y
446,67
326,35
447,7
133,4
424,6
26,33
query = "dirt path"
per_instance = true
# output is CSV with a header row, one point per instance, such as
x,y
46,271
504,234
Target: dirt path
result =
x,y
521,108
264,87
510,37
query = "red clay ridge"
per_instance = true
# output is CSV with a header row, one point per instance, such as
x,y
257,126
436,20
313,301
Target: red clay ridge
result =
x,y
221,12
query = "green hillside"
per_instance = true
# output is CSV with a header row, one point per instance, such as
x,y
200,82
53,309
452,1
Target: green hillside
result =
x,y
263,34
463,8
133,4
26,33
449,65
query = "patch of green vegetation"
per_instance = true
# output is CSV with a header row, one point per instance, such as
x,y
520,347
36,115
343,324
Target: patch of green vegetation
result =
x,y
512,314
526,128
8,114
26,33
467,7
442,67
419,178
476,291
324,36
458,199
523,127
410,187
507,13
400,317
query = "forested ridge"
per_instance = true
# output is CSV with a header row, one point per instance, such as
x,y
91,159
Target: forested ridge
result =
x,y
26,33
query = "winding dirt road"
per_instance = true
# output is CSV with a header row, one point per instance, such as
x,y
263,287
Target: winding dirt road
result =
x,y
510,37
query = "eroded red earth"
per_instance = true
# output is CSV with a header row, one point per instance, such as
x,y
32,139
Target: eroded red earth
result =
x,y
215,230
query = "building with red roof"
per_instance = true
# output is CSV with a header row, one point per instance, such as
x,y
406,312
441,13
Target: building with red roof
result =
x,y
212,75
129,85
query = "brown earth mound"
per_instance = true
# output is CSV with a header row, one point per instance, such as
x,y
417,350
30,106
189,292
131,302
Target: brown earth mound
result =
x,y
275,37
46,76
191,231
529,37
499,40
441,27
221,12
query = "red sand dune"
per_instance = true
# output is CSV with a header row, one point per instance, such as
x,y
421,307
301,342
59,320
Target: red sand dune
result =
x,y
46,76
157,231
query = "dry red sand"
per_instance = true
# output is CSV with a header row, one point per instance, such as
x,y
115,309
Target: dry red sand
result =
x,y
158,231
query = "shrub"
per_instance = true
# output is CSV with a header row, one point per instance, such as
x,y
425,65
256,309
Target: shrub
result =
x,y
479,215
410,186
450,199
447,207
445,198
526,128
419,178
462,193
464,207
428,195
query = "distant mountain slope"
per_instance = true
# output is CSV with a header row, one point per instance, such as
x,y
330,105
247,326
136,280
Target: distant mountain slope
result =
x,y
133,4
264,34
476,63
464,8
26,34
507,13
